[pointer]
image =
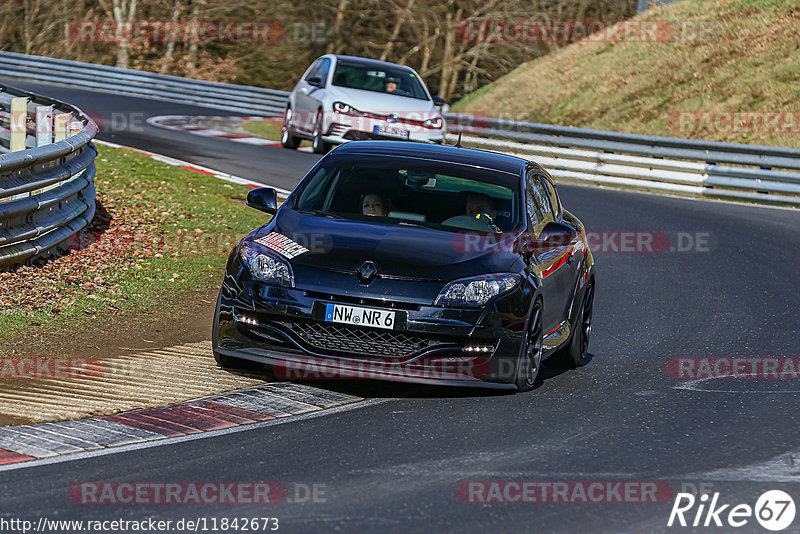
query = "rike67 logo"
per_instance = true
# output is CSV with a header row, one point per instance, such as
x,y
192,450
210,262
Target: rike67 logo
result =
x,y
774,510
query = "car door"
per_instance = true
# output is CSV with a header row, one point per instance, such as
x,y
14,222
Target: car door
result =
x,y
549,261
573,263
308,97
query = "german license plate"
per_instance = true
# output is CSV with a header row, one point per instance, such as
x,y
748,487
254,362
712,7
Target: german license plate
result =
x,y
355,315
390,131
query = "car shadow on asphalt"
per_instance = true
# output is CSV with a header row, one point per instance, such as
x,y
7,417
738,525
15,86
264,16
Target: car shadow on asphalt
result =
x,y
382,389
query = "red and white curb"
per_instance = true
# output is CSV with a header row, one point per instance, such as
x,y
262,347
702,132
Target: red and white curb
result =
x,y
189,124
195,168
220,412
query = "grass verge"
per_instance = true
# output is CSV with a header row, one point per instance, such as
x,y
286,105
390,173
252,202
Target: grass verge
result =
x,y
159,231
267,129
720,70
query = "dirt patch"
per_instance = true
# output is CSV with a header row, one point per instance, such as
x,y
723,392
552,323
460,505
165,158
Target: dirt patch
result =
x,y
182,317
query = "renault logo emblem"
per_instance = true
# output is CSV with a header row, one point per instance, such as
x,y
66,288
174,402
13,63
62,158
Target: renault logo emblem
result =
x,y
367,271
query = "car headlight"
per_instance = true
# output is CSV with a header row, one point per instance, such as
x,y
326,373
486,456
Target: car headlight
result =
x,y
476,290
266,266
433,123
347,109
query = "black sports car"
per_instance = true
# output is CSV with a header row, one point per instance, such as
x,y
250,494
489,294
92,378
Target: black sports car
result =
x,y
410,262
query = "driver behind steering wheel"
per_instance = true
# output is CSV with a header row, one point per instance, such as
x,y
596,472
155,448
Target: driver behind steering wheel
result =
x,y
480,206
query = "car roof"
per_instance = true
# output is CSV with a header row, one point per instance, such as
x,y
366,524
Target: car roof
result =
x,y
372,62
443,153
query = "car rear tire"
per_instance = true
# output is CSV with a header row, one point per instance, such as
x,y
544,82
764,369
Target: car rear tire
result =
x,y
574,354
287,139
530,361
317,144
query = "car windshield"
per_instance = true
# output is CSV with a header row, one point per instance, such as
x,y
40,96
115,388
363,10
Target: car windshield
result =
x,y
442,196
398,82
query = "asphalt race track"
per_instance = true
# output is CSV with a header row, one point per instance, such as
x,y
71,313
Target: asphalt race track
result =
x,y
123,120
393,463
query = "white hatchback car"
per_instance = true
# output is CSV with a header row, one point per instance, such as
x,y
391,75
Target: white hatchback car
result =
x,y
345,98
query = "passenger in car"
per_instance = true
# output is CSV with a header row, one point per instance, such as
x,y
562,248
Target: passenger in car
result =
x,y
373,204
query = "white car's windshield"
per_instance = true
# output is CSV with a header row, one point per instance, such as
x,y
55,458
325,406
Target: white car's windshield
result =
x,y
398,82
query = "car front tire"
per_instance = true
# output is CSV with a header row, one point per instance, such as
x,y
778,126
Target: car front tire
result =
x,y
317,144
530,361
574,354
228,362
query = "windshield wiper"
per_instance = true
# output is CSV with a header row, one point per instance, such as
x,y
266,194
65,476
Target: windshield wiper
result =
x,y
319,213
416,224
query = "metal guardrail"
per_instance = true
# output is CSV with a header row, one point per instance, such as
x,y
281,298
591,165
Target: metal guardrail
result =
x,y
673,165
47,192
230,97
666,164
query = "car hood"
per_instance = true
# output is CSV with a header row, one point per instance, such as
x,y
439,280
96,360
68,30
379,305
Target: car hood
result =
x,y
383,103
398,250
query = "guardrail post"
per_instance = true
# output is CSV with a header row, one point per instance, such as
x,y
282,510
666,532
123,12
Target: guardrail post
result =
x,y
18,123
75,127
31,228
44,125
61,126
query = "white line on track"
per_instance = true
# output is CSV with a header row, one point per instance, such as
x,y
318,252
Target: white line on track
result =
x,y
695,385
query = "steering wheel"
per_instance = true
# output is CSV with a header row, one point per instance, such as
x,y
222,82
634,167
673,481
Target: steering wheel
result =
x,y
481,222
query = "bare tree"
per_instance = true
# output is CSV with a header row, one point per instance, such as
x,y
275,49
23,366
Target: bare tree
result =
x,y
401,19
341,11
170,37
123,13
424,34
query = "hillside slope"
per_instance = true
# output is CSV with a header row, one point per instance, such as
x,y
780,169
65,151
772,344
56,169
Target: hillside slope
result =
x,y
724,70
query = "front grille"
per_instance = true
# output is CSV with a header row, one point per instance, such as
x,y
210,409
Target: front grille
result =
x,y
360,341
337,129
354,135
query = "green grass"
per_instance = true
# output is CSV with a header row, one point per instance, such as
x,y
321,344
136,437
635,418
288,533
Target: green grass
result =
x,y
268,129
170,231
722,56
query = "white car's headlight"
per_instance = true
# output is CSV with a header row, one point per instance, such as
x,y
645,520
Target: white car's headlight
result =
x,y
346,109
265,265
434,123
476,290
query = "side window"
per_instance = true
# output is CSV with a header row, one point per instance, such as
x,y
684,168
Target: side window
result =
x,y
551,193
314,72
538,204
324,67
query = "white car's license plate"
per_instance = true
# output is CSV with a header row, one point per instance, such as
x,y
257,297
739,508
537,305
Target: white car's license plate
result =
x,y
390,131
340,313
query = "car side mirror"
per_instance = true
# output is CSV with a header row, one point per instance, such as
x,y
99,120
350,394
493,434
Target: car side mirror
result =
x,y
553,235
556,234
315,81
263,199
438,101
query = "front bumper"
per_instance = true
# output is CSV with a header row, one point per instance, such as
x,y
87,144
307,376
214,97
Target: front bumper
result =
x,y
284,328
342,128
